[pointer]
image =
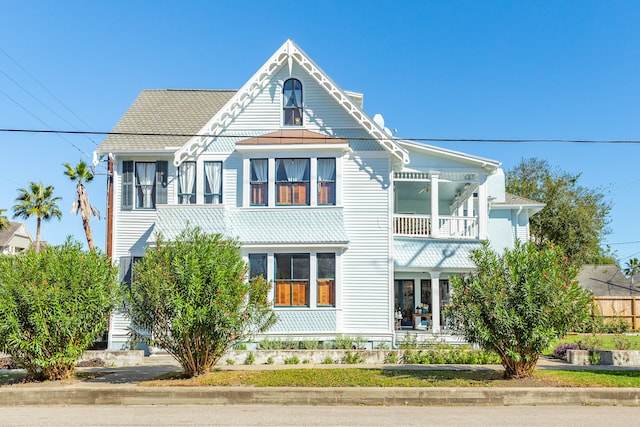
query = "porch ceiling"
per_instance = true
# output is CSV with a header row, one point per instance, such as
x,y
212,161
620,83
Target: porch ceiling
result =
x,y
421,253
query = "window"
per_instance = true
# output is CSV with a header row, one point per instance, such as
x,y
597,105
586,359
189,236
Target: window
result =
x,y
213,183
326,280
187,183
259,181
147,181
292,102
292,181
126,268
326,181
257,266
292,280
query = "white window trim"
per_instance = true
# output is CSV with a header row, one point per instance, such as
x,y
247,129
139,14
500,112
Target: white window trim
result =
x,y
271,186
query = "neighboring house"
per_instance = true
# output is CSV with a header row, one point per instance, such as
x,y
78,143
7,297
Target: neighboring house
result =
x,y
607,280
15,239
347,221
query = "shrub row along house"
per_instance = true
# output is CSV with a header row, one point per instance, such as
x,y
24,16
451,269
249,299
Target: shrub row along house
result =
x,y
351,224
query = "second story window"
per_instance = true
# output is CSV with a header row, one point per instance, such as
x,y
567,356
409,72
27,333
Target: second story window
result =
x,y
213,183
326,181
292,181
292,102
146,182
259,181
187,183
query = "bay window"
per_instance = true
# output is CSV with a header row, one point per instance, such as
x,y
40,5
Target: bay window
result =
x,y
326,181
259,181
292,280
292,181
257,266
326,277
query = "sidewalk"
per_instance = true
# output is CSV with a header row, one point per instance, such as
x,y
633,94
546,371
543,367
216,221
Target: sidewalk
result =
x,y
119,387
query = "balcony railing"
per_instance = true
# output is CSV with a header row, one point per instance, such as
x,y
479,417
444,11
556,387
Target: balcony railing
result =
x,y
449,227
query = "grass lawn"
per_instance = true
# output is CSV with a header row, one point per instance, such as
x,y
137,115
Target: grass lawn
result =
x,y
363,377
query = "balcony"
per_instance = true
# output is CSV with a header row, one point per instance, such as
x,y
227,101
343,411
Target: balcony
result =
x,y
449,227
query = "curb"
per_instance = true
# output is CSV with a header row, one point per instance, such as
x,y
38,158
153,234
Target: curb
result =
x,y
368,396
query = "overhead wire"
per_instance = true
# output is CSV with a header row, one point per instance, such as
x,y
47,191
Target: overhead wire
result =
x,y
240,135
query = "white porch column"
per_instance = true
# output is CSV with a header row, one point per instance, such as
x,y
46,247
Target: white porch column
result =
x,y
483,209
417,293
435,301
470,206
435,215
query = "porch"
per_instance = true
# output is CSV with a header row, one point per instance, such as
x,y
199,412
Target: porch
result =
x,y
445,205
449,226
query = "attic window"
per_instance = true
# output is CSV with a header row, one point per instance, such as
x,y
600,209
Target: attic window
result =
x,y
292,102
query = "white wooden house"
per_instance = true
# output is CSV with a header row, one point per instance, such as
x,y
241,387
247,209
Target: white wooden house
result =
x,y
15,239
347,221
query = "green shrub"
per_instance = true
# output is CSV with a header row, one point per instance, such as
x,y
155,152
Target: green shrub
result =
x,y
278,344
292,360
382,346
250,359
391,358
343,342
306,361
230,362
53,305
516,302
352,358
328,361
270,360
310,344
190,297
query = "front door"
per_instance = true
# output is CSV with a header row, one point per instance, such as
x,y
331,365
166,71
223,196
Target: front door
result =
x,y
403,300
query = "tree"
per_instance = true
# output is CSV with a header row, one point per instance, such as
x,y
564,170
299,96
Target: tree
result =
x,y
53,305
632,268
82,174
190,297
38,200
574,217
515,303
4,221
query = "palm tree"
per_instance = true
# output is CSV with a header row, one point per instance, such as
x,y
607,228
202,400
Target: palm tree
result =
x,y
632,268
82,174
38,200
4,221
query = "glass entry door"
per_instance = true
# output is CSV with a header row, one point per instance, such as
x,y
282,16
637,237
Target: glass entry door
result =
x,y
403,299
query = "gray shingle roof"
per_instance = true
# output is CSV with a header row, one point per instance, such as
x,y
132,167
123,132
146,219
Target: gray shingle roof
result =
x,y
607,280
433,254
171,111
257,226
512,199
8,233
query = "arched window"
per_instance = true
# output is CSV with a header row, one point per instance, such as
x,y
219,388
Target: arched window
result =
x,y
292,102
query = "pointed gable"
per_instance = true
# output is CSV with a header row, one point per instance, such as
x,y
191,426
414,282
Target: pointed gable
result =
x,y
288,55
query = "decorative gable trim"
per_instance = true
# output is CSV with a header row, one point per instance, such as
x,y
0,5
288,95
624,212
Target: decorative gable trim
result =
x,y
288,52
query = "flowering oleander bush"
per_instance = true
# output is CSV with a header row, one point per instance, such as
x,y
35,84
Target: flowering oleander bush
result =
x,y
516,302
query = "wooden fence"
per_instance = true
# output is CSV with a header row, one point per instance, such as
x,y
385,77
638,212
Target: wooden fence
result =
x,y
627,308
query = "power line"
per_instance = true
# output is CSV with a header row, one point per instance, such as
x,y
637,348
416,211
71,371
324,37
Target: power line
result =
x,y
46,90
190,135
59,134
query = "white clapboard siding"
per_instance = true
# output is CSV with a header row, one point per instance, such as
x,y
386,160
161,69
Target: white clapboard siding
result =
x,y
232,181
366,271
321,111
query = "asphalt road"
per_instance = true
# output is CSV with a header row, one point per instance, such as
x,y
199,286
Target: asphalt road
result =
x,y
258,415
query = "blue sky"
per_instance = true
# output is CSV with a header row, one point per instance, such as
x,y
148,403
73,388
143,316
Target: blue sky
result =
x,y
433,69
